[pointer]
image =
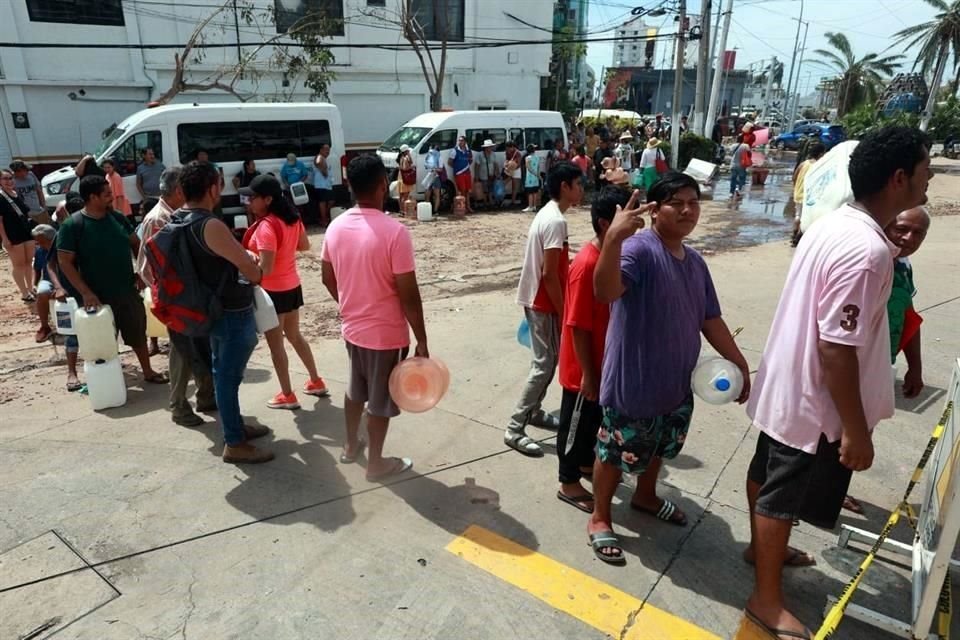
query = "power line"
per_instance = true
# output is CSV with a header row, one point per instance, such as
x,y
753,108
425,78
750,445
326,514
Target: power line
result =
x,y
455,46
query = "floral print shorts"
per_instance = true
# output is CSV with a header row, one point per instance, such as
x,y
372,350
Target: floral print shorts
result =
x,y
631,444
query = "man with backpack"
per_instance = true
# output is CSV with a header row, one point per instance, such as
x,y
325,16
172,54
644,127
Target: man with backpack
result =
x,y
203,287
95,248
189,357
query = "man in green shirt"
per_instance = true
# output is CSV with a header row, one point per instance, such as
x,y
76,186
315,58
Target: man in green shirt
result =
x,y
907,232
96,247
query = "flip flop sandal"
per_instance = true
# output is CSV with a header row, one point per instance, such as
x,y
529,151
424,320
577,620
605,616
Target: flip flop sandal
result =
x,y
668,512
402,465
849,503
74,386
795,558
345,459
43,336
576,501
524,444
28,298
777,634
607,539
156,378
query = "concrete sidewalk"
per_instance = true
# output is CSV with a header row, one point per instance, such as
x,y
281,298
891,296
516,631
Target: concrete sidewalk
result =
x,y
186,546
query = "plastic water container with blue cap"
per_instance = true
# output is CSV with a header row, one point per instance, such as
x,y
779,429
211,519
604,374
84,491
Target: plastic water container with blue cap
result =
x,y
717,380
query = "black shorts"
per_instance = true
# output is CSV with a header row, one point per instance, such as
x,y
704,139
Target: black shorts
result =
x,y
796,485
324,195
130,317
287,301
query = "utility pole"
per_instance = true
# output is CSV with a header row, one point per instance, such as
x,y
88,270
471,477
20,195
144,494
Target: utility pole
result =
x,y
788,126
769,90
678,89
712,110
703,68
796,102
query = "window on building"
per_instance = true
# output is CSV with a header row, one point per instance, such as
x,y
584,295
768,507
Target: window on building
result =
x,y
107,13
130,153
475,138
288,12
440,16
444,139
376,3
492,107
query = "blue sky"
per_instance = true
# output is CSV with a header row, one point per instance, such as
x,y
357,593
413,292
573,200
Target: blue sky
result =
x,y
762,28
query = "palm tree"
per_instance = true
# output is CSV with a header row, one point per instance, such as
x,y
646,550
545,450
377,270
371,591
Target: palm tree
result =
x,y
937,38
860,79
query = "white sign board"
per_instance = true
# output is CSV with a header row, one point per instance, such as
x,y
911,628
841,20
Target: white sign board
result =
x,y
939,524
826,187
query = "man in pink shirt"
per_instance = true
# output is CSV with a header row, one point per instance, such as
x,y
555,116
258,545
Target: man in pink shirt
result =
x,y
368,268
824,380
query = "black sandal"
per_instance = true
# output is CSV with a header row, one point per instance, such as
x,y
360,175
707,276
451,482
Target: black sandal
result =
x,y
609,540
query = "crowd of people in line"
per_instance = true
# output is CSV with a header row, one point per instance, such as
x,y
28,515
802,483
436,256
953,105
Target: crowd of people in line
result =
x,y
623,322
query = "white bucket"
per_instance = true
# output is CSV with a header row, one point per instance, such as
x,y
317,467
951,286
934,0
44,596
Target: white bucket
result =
x,y
264,312
240,221
105,384
62,315
424,211
299,192
96,333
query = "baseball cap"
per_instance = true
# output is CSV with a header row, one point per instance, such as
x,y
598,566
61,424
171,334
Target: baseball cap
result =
x,y
263,185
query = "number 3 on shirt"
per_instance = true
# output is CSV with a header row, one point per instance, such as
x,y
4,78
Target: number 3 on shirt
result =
x,y
849,322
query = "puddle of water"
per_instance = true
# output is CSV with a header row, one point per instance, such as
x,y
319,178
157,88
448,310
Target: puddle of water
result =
x,y
764,214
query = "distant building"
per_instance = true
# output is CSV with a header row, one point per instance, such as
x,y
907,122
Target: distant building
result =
x,y
55,103
650,91
635,45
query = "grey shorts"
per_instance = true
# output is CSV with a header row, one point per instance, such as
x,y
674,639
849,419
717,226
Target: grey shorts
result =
x,y
370,378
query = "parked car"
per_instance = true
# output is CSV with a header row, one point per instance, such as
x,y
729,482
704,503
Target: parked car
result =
x,y
829,134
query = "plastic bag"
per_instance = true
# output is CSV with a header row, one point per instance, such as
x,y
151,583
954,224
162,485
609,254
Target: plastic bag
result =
x,y
499,190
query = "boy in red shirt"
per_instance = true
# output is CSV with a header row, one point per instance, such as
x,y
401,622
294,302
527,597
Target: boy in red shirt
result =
x,y
582,338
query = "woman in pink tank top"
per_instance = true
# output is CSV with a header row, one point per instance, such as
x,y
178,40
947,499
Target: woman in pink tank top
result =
x,y
276,236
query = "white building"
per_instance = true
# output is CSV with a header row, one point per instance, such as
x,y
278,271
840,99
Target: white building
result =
x,y
628,51
56,102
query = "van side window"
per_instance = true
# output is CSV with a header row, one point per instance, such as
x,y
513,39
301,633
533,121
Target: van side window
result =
x,y
130,153
275,139
517,136
446,139
224,141
313,134
544,138
475,138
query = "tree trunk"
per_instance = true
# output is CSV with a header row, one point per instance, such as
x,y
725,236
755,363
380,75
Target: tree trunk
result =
x,y
934,88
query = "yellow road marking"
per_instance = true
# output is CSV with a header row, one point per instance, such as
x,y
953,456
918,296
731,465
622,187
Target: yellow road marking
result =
x,y
596,603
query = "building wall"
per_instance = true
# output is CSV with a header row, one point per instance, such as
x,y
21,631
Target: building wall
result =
x,y
650,91
376,90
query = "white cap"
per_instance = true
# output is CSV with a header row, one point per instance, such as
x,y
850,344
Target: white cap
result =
x,y
489,143
404,148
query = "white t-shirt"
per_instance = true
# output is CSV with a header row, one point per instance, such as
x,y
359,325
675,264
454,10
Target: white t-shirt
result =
x,y
547,231
649,157
624,152
837,291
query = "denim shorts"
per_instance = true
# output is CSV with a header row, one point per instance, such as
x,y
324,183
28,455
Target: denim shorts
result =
x,y
631,444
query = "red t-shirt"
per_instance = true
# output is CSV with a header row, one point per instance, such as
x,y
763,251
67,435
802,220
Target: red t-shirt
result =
x,y
581,310
542,302
582,162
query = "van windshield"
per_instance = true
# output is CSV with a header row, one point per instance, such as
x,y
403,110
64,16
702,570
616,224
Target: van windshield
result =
x,y
410,136
108,141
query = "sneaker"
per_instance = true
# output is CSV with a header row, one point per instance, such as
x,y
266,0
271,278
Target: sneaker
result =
x,y
284,401
545,420
316,388
245,453
188,420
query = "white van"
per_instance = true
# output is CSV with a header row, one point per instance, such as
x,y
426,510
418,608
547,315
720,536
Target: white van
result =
x,y
229,133
542,128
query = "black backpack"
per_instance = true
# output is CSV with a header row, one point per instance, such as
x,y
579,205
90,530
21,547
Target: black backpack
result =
x,y
181,300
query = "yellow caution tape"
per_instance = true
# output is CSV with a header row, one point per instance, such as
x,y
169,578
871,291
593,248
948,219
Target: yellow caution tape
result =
x,y
833,618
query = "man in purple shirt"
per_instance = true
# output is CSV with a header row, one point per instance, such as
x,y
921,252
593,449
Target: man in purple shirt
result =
x,y
662,298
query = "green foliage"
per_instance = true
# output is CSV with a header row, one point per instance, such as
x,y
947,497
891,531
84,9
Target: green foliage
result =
x,y
861,79
946,119
866,118
694,146
614,124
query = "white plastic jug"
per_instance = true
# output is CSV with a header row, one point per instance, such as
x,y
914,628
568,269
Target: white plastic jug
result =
x,y
96,333
62,315
264,312
716,380
105,384
424,211
155,328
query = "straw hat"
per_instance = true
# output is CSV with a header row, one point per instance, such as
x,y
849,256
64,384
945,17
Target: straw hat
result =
x,y
489,143
652,142
626,136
